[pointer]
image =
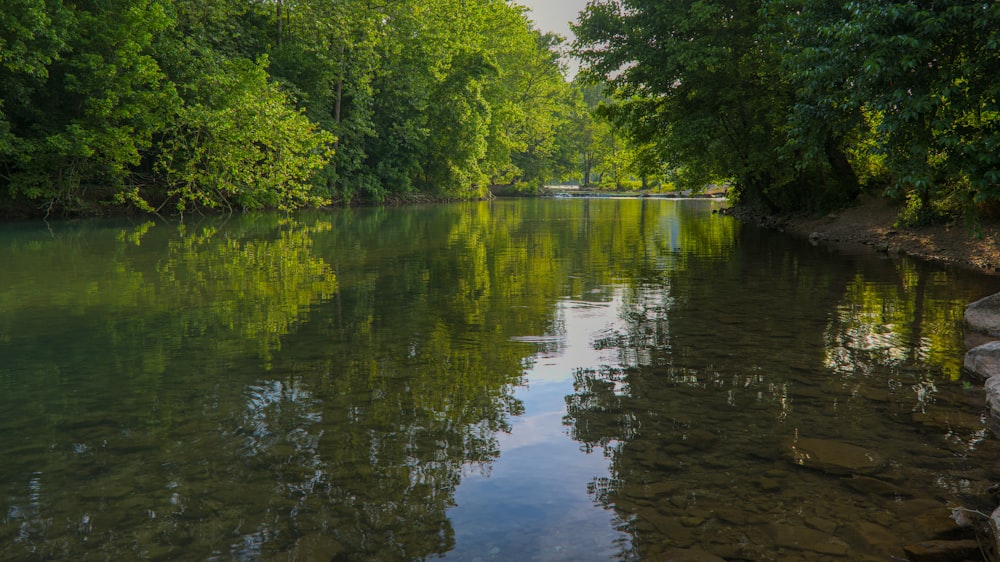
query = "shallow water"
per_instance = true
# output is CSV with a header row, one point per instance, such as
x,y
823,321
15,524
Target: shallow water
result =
x,y
515,380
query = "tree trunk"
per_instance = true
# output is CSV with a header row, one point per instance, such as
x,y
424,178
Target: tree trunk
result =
x,y
752,192
277,9
843,172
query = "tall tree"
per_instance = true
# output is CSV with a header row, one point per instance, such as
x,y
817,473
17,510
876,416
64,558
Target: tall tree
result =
x,y
87,104
169,104
704,81
924,71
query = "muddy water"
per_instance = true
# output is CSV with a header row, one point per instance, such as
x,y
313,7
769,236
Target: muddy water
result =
x,y
522,380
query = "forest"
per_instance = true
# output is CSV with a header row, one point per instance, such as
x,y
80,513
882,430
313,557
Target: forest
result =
x,y
802,104
181,105
176,105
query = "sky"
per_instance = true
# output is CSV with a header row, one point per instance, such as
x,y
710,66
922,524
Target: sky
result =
x,y
554,16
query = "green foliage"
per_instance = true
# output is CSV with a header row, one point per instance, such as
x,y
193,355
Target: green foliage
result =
x,y
803,103
96,100
930,72
175,104
142,102
33,34
441,97
690,77
238,143
459,118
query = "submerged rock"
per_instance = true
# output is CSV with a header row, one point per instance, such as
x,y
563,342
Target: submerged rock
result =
x,y
315,547
767,485
669,525
873,538
833,457
874,486
949,419
937,524
943,551
806,539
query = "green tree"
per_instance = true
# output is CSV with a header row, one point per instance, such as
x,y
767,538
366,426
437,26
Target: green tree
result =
x,y
532,138
330,56
704,82
145,102
924,72
179,104
33,34
237,142
75,135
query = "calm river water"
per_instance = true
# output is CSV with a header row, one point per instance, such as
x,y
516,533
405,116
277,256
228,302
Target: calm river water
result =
x,y
517,380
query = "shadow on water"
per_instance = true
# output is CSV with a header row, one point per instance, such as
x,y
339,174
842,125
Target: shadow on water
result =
x,y
329,385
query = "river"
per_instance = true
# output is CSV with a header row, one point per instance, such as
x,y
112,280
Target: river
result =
x,y
540,379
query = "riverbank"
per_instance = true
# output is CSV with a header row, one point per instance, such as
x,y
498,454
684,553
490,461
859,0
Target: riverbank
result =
x,y
871,223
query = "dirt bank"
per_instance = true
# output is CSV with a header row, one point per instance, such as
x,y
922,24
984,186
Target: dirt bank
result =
x,y
871,223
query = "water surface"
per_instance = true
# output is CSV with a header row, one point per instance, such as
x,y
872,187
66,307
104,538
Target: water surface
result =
x,y
530,380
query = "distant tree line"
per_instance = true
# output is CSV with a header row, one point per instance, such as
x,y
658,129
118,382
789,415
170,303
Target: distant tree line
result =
x,y
802,104
177,105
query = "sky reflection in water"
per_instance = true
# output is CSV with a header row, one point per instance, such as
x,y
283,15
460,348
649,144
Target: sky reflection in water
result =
x,y
529,506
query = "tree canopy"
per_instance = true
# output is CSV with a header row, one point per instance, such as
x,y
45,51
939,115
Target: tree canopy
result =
x,y
174,105
801,104
177,105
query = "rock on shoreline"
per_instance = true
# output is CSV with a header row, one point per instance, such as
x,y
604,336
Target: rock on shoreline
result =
x,y
983,317
983,361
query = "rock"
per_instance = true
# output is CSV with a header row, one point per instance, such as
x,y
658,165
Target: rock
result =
x,y
679,501
729,551
701,439
993,539
670,527
943,551
992,388
688,555
949,419
908,509
731,516
827,526
803,538
315,547
984,361
984,315
663,488
937,524
766,484
976,339
833,457
874,486
873,539
692,521
649,494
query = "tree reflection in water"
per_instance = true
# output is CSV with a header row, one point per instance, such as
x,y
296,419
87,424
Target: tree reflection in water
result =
x,y
748,353
218,391
275,387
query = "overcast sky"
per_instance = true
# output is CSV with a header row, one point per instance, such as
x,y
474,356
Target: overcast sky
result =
x,y
554,15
